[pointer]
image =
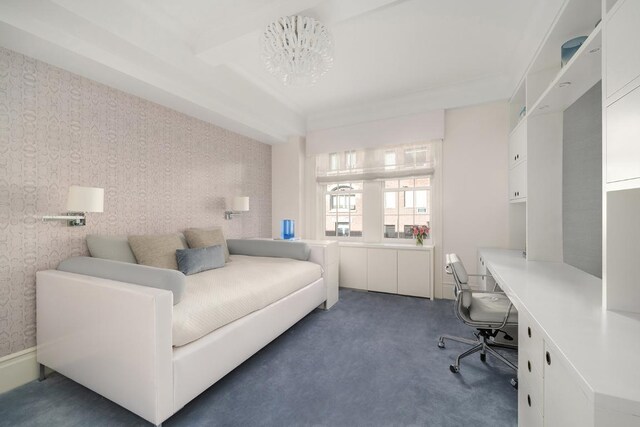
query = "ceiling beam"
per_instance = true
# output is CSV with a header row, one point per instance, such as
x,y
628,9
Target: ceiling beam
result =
x,y
255,21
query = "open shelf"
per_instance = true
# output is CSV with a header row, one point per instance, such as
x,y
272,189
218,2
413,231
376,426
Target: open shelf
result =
x,y
575,18
579,75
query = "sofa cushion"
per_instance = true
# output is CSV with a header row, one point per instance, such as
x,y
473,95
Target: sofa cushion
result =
x,y
192,261
142,275
115,248
157,250
204,237
269,248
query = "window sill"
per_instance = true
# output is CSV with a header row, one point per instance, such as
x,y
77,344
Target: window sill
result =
x,y
404,246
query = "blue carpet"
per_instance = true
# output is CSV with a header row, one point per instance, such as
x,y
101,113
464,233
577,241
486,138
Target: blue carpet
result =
x,y
372,360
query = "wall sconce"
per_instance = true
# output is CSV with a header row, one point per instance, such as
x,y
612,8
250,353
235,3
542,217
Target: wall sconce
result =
x,y
79,201
239,205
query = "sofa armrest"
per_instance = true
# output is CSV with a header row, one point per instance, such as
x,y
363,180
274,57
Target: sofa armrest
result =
x,y
327,255
137,274
112,337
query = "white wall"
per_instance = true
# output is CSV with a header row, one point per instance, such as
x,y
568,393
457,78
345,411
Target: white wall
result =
x,y
287,184
475,207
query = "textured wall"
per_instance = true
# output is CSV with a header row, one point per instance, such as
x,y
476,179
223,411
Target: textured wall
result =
x,y
162,171
582,183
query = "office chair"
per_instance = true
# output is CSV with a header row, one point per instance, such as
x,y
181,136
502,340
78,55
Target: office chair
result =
x,y
487,311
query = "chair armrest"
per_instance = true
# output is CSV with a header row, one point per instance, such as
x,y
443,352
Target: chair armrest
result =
x,y
112,337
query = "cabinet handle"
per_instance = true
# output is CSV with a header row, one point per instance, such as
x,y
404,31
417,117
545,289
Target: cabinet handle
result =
x,y
548,359
529,400
529,331
529,365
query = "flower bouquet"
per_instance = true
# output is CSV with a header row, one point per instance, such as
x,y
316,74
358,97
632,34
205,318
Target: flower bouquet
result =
x,y
420,233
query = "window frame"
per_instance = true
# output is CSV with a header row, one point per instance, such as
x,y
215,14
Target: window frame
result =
x,y
337,193
398,190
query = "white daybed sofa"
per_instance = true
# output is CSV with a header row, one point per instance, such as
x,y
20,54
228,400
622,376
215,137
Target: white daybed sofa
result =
x,y
117,338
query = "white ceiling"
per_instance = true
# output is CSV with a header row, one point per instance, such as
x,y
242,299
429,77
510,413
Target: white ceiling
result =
x,y
392,57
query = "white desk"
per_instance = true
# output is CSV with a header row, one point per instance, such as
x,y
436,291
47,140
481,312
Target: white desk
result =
x,y
600,350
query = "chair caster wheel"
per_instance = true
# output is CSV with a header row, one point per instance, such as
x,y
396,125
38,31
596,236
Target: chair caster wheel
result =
x,y
483,357
455,369
440,344
514,383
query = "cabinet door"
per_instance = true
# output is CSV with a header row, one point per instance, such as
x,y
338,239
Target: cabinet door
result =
x,y
353,268
565,403
414,273
382,270
623,56
518,145
518,182
530,381
623,138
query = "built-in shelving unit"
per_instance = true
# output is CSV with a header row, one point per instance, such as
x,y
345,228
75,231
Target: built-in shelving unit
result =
x,y
621,155
535,139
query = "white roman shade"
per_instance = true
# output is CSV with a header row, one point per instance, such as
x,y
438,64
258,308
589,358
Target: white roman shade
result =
x,y
398,161
366,135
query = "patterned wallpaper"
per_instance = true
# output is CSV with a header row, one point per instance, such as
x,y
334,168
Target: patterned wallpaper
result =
x,y
162,171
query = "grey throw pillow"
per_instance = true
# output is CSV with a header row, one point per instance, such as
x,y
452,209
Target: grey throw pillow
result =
x,y
192,261
115,248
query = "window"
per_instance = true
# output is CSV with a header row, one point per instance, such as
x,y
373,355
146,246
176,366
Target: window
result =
x,y
396,182
389,160
343,209
350,157
334,161
406,204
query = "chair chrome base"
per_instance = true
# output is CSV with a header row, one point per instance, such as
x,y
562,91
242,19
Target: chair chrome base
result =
x,y
482,344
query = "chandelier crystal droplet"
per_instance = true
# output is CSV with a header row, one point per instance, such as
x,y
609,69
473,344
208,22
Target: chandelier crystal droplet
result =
x,y
297,49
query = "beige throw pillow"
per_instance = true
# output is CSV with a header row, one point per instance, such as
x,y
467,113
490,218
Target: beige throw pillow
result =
x,y
157,250
204,237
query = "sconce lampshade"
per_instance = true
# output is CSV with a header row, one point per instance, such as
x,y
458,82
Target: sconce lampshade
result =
x,y
85,199
240,204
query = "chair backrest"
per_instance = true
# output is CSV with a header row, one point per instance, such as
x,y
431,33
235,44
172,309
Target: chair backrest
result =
x,y
460,276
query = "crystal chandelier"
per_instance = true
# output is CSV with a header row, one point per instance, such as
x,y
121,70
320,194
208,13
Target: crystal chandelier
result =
x,y
297,49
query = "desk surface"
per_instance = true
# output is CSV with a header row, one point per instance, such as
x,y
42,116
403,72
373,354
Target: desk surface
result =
x,y
602,346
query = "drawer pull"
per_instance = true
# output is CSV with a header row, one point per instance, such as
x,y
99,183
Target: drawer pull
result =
x,y
529,400
548,356
529,331
529,365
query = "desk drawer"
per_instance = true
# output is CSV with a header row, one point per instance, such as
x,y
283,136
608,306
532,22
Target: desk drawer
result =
x,y
530,340
529,407
530,375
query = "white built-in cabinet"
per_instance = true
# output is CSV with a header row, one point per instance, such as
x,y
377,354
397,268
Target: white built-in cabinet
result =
x,y
518,163
621,162
382,270
536,126
395,269
550,392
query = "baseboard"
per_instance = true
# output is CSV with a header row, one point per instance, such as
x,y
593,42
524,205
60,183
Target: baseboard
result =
x,y
17,369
